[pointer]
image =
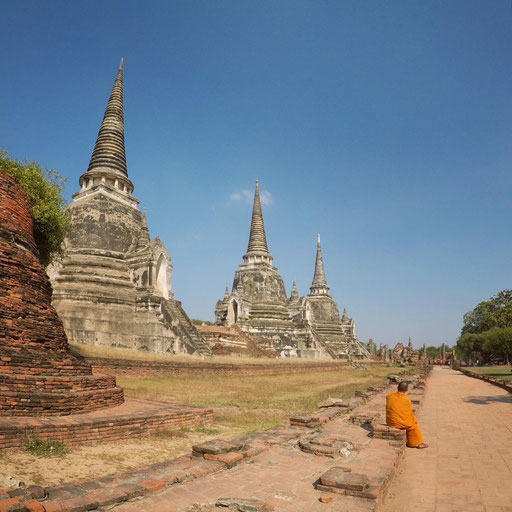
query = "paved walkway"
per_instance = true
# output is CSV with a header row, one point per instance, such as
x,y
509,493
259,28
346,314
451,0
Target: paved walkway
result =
x,y
468,467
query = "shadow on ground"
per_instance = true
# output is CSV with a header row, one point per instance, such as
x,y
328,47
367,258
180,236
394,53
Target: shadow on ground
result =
x,y
483,400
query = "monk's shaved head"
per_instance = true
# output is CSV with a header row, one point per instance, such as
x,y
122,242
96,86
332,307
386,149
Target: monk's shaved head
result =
x,y
403,386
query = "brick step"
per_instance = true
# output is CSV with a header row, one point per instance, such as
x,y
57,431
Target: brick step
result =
x,y
36,403
52,383
29,362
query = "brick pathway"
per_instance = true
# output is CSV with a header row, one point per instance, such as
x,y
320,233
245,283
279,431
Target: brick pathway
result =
x,y
468,467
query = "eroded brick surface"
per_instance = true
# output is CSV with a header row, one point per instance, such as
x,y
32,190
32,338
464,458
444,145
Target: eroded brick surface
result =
x,y
38,374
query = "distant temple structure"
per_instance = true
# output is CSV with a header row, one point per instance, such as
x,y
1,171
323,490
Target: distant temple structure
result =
x,y
113,286
307,326
405,355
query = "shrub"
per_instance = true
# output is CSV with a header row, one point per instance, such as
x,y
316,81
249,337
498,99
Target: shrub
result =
x,y
44,187
49,448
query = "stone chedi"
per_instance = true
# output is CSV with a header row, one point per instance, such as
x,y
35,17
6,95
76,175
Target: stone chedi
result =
x,y
258,303
298,326
38,374
113,286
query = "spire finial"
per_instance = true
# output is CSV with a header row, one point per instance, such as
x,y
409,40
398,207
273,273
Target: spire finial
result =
x,y
257,238
295,293
109,153
319,284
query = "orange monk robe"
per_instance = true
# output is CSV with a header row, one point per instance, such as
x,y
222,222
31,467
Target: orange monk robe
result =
x,y
399,415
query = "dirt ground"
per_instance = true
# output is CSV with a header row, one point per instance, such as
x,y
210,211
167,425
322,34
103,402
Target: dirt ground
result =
x,y
87,462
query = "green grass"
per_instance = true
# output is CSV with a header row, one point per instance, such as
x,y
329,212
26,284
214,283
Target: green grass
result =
x,y
502,372
50,448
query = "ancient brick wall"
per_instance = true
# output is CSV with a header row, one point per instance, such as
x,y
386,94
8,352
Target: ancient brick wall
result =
x,y
141,367
38,374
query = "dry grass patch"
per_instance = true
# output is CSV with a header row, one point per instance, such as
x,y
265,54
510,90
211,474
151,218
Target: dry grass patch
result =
x,y
254,402
288,392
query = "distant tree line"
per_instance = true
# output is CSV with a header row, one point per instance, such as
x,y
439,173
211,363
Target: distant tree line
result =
x,y
487,331
196,321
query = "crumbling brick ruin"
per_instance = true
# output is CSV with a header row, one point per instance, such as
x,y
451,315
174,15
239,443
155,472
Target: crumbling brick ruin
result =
x,y
38,374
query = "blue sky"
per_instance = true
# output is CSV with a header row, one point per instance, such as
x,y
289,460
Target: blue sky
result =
x,y
384,126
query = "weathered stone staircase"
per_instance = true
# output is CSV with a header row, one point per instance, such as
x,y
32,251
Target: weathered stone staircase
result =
x,y
337,344
185,330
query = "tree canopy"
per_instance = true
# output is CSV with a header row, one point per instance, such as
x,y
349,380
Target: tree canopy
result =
x,y
495,312
487,330
44,188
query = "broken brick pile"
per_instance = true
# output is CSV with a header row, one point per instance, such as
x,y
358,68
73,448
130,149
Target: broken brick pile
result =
x,y
38,374
360,466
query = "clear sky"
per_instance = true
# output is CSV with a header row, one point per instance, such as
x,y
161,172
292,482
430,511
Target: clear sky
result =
x,y
383,125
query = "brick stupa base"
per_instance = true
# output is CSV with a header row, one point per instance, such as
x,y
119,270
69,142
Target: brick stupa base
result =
x,y
40,380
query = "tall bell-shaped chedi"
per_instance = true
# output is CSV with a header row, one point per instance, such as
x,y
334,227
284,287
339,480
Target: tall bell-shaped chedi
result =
x,y
113,287
338,334
257,303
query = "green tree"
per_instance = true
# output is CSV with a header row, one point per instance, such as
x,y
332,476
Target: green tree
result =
x,y
498,343
44,187
433,352
196,321
470,346
495,312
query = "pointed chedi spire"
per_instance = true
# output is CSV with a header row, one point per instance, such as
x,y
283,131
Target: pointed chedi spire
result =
x,y
226,293
319,284
257,250
108,158
295,293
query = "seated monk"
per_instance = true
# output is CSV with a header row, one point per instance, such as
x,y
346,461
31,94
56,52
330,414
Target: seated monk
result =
x,y
399,415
